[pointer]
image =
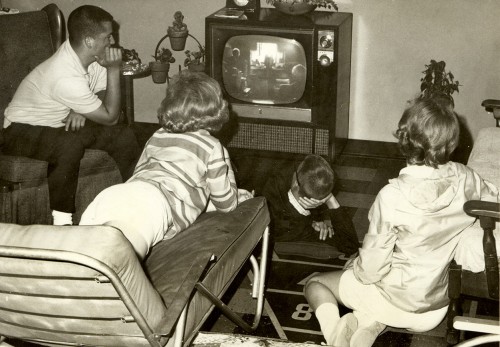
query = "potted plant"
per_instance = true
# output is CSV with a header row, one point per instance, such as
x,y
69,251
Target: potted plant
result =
x,y
437,82
195,61
178,32
161,65
131,63
298,7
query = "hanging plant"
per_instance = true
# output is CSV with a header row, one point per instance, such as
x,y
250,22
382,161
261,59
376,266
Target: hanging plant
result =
x,y
178,32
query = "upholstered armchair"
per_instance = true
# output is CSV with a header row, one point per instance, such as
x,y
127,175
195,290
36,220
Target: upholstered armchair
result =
x,y
28,39
483,285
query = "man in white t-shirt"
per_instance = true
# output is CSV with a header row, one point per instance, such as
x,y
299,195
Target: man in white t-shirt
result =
x,y
69,103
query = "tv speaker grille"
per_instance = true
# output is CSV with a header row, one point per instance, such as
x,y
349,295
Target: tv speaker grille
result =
x,y
279,138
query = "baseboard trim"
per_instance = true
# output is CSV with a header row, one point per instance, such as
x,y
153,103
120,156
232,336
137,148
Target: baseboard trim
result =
x,y
355,148
377,149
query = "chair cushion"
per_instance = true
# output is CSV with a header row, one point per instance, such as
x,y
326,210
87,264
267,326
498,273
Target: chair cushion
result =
x,y
92,241
231,237
22,169
31,171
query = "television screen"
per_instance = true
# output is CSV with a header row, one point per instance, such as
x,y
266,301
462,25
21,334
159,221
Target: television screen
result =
x,y
264,69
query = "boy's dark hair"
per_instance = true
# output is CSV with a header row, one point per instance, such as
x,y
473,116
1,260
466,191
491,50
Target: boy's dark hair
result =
x,y
428,132
315,177
87,21
194,101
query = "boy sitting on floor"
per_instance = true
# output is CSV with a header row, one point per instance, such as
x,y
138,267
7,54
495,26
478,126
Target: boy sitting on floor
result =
x,y
304,211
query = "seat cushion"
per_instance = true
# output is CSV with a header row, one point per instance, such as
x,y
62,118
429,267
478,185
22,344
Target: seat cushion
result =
x,y
65,289
231,237
22,169
31,171
97,172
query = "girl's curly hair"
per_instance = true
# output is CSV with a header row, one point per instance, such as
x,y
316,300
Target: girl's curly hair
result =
x,y
194,101
428,132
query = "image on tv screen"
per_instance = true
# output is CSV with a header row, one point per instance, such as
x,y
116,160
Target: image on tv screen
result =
x,y
264,69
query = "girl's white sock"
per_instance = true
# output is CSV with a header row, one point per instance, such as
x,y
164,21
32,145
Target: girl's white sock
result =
x,y
328,316
62,218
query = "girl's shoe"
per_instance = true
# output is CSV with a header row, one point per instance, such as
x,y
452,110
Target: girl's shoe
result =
x,y
346,327
365,336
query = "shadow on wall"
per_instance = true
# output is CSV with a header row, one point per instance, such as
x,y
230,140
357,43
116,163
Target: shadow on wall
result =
x,y
461,154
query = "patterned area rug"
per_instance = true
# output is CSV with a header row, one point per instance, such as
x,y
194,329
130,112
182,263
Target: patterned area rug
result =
x,y
287,315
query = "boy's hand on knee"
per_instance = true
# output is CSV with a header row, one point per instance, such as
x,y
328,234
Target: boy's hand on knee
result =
x,y
324,228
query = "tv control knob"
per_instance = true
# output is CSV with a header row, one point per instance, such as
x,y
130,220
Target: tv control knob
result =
x,y
326,41
324,60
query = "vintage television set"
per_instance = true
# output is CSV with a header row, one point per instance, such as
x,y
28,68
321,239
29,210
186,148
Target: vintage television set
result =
x,y
287,78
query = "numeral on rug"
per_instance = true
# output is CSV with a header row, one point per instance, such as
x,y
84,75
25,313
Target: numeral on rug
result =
x,y
302,312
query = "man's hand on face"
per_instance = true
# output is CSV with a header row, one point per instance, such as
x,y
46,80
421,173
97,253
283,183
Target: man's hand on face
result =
x,y
74,121
112,57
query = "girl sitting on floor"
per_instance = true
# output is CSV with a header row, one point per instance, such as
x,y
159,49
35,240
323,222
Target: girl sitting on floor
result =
x,y
400,277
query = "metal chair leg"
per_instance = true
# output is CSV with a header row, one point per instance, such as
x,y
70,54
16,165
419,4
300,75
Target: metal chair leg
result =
x,y
179,328
257,292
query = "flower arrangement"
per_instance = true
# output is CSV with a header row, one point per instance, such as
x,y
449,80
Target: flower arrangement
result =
x,y
164,55
131,63
329,4
194,58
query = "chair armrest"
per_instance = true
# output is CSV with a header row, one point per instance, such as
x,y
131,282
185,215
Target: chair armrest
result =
x,y
490,104
477,208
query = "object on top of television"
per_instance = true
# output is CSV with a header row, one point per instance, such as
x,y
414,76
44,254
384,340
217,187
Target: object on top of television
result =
x,y
229,13
248,6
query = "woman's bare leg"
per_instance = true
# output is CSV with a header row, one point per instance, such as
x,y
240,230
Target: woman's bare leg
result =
x,y
322,294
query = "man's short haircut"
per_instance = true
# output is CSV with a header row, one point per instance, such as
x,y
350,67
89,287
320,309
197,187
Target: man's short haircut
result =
x,y
315,177
86,21
428,132
194,101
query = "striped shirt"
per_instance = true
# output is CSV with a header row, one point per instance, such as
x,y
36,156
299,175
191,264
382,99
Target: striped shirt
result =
x,y
189,169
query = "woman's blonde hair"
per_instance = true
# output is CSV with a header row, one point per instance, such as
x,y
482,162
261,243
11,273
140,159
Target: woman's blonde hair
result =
x,y
194,101
428,132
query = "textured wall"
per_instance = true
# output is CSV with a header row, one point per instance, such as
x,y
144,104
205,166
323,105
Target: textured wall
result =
x,y
392,41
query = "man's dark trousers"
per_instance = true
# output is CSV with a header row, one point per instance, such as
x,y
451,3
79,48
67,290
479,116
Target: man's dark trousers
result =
x,y
63,150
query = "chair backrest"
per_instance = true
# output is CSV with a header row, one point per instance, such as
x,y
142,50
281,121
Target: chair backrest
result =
x,y
27,40
77,285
